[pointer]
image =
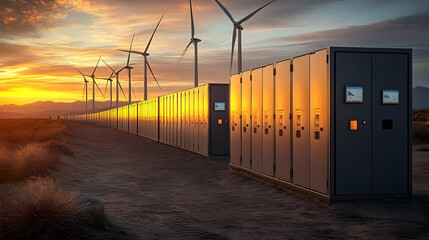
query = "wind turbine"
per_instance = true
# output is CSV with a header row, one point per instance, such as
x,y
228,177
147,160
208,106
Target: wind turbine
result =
x,y
118,84
109,79
145,54
94,83
194,41
85,89
239,28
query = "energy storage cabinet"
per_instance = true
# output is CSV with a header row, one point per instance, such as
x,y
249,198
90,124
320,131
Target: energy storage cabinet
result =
x,y
200,119
340,120
132,118
235,116
196,119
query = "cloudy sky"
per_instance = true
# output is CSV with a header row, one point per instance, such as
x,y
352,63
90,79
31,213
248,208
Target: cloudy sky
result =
x,y
41,41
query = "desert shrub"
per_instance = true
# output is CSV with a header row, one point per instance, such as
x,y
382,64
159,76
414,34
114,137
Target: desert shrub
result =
x,y
58,146
421,115
30,147
36,159
9,169
38,208
421,131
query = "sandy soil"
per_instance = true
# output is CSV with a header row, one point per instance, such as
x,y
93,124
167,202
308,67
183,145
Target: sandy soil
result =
x,y
154,191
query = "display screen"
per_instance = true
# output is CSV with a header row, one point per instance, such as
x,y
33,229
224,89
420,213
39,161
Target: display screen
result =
x,y
354,94
219,106
390,96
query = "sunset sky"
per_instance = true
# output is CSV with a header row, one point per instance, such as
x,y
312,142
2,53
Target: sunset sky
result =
x,y
42,40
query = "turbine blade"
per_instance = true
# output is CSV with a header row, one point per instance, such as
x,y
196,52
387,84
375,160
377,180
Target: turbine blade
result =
x,y
120,70
84,78
107,64
132,89
79,71
192,21
150,69
253,13
226,11
136,52
122,90
234,35
186,49
129,53
150,40
113,72
96,66
98,88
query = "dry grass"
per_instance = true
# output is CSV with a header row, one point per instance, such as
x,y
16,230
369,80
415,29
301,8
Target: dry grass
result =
x,y
9,168
421,131
36,159
23,131
421,125
30,147
40,209
421,115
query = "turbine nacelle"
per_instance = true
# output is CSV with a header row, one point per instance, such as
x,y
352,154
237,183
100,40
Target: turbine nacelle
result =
x,y
195,40
238,26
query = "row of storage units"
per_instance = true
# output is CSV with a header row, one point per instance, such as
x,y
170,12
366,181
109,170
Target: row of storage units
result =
x,y
184,119
334,123
195,119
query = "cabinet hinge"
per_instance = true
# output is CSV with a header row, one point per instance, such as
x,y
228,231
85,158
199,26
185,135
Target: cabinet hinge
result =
x,y
275,72
291,68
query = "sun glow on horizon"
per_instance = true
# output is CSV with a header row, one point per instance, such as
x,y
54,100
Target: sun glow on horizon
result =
x,y
41,42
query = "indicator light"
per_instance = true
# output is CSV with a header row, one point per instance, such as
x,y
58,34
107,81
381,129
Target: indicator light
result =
x,y
353,125
219,121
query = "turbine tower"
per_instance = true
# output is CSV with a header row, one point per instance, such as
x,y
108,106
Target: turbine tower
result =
x,y
194,41
85,89
239,28
145,54
94,83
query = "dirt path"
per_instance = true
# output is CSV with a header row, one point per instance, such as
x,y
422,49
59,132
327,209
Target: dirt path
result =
x,y
157,191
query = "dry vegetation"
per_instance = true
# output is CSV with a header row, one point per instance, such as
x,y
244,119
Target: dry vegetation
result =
x,y
36,207
30,147
40,209
421,125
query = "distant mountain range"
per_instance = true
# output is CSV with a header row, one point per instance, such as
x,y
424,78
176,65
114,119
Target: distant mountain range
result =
x,y
420,98
51,109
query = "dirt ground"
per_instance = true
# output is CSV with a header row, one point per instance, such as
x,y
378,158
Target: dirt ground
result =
x,y
154,191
